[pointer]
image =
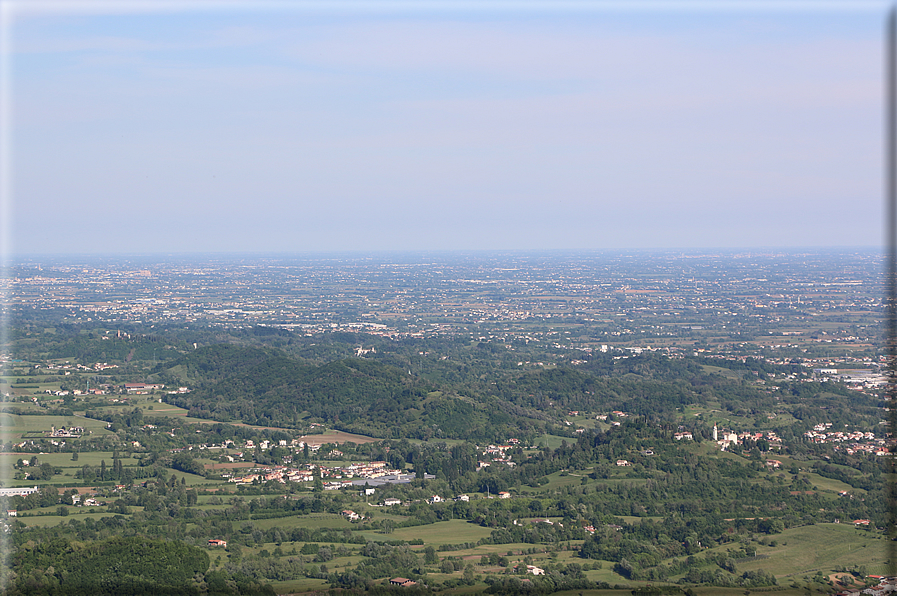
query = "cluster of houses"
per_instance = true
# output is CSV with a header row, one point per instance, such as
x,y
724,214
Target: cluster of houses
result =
x,y
614,418
249,444
465,498
495,454
614,414
130,388
391,501
862,442
589,528
68,366
775,441
727,439
871,448
306,473
141,388
87,502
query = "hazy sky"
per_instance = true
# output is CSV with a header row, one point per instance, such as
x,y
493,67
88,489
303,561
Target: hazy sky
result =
x,y
294,127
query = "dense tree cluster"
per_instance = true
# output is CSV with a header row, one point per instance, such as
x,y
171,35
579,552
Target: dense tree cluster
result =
x,y
117,566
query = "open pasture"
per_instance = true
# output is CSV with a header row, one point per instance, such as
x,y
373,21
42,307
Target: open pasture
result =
x,y
831,485
552,441
89,458
300,586
15,425
314,521
162,410
78,513
473,554
718,370
447,532
820,546
337,436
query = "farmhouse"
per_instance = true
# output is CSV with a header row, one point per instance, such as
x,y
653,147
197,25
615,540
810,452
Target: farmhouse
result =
x,y
402,581
218,542
533,569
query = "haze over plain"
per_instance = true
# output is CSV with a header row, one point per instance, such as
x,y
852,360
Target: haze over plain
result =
x,y
295,127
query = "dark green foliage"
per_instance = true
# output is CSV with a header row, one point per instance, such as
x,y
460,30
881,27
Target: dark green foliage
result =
x,y
266,387
381,561
185,462
118,566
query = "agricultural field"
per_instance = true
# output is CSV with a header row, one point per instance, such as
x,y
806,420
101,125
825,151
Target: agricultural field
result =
x,y
16,427
801,552
447,532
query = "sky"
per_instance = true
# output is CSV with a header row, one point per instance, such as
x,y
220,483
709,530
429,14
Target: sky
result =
x,y
133,127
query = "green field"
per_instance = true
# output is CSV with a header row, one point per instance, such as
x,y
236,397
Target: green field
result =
x,y
829,484
14,425
301,585
312,521
725,372
90,458
447,532
821,546
53,520
552,441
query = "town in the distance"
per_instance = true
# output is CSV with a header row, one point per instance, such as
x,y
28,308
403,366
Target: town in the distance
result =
x,y
691,422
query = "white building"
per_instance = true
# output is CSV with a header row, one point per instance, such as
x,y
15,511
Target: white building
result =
x,y
23,491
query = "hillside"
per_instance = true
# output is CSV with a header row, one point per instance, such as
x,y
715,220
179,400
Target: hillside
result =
x,y
264,387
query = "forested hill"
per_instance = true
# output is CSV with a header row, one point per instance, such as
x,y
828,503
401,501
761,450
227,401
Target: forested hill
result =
x,y
265,387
